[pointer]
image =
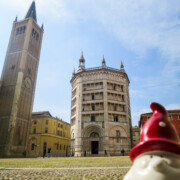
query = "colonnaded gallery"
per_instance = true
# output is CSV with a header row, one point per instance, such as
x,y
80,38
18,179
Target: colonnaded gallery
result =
x,y
100,111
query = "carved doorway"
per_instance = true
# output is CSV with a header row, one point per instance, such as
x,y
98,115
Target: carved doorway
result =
x,y
94,138
94,147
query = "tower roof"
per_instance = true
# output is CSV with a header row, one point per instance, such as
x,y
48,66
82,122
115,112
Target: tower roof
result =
x,y
82,58
103,60
31,11
122,66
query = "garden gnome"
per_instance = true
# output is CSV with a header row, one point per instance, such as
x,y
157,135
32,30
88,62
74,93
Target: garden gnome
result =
x,y
157,156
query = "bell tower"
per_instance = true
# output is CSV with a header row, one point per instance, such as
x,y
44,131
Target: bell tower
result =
x,y
18,82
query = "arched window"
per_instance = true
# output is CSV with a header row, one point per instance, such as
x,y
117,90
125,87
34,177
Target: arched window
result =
x,y
24,29
21,29
17,31
34,131
37,36
32,147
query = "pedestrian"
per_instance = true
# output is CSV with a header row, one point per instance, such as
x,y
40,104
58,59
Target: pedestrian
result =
x,y
49,151
122,152
44,152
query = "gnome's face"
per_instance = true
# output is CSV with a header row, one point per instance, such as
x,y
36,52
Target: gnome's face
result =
x,y
156,166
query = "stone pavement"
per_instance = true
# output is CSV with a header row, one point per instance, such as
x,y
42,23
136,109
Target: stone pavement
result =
x,y
93,173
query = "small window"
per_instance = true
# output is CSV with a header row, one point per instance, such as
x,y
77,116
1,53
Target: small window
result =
x,y
57,146
46,130
93,107
34,131
115,118
60,146
122,88
46,121
93,118
33,32
29,71
64,147
93,97
17,31
32,147
115,108
37,36
13,67
60,133
34,35
117,133
58,125
35,122
122,98
21,30
61,125
24,29
114,87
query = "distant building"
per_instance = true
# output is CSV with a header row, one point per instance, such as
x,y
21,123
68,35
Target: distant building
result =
x,y
173,116
100,111
48,132
135,135
18,82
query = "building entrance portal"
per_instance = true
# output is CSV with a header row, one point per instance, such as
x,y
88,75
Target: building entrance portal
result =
x,y
94,147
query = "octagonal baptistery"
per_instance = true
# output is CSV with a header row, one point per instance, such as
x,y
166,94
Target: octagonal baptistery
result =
x,y
100,111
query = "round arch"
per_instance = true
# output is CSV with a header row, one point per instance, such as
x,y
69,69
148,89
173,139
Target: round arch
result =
x,y
87,131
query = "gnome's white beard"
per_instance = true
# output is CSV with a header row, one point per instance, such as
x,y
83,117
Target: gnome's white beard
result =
x,y
155,165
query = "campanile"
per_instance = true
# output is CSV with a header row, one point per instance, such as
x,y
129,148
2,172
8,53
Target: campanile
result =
x,y
18,82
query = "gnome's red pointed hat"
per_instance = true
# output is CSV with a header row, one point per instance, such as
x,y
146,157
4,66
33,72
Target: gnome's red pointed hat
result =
x,y
157,134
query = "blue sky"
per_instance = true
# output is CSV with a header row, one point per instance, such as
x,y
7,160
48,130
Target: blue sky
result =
x,y
145,35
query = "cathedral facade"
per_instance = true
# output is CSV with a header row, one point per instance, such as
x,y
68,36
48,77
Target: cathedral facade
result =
x,y
18,82
100,111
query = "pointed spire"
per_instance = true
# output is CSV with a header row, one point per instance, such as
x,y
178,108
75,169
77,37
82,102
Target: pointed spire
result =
x,y
31,11
81,63
122,67
15,19
103,62
82,58
42,26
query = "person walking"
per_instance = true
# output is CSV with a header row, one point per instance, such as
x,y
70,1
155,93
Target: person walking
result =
x,y
122,152
49,151
44,152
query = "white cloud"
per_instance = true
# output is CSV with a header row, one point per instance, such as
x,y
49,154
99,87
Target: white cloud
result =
x,y
173,106
139,25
